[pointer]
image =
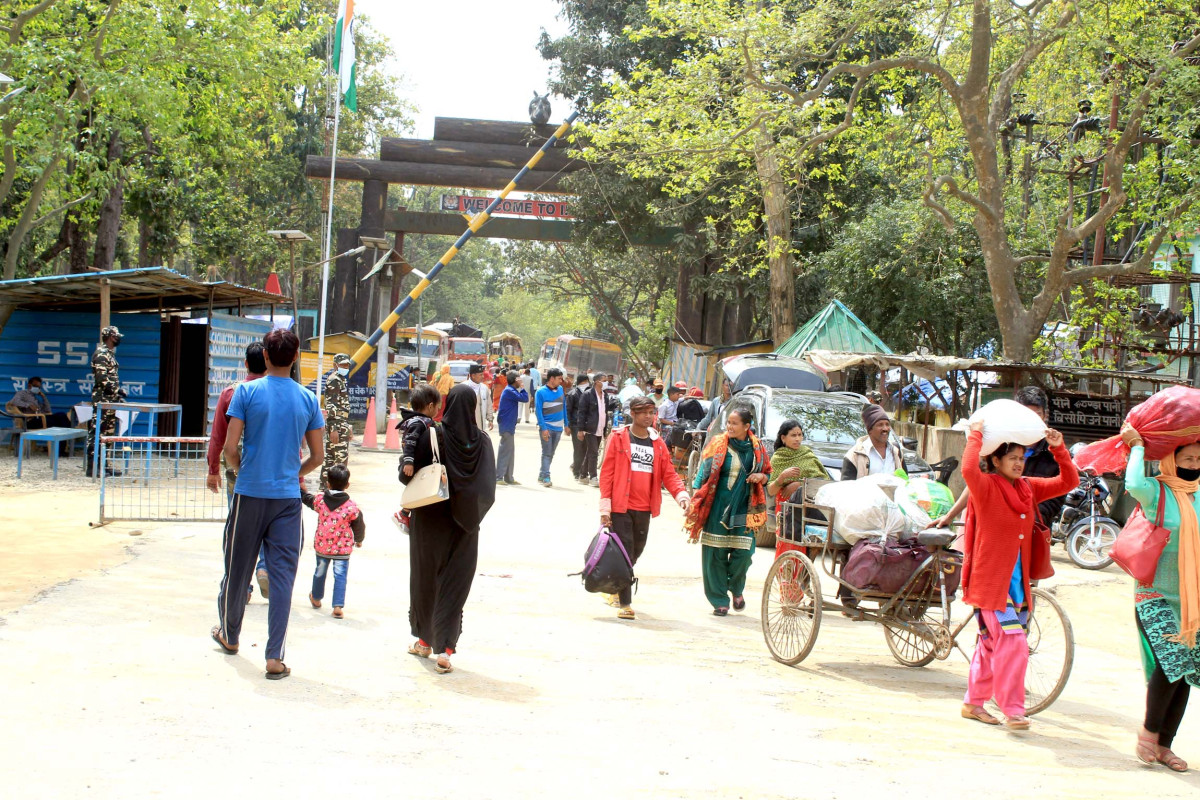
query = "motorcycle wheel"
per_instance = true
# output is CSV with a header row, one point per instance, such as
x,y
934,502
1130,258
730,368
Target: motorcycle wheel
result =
x,y
1090,550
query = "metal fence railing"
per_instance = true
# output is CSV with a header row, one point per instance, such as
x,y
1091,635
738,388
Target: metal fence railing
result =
x,y
157,478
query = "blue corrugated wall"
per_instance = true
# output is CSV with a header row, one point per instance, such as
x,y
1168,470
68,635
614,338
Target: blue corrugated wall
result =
x,y
58,346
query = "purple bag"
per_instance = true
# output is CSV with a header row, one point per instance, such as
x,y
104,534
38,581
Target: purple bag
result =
x,y
607,567
885,567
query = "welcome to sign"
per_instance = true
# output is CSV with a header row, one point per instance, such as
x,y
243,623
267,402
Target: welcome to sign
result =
x,y
465,204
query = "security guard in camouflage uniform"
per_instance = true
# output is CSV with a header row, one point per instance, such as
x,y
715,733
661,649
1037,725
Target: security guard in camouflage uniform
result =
x,y
337,416
106,388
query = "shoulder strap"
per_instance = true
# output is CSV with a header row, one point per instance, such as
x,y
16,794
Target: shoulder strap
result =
x,y
1162,501
433,444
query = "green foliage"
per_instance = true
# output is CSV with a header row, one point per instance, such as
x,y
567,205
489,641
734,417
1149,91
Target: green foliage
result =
x,y
1098,322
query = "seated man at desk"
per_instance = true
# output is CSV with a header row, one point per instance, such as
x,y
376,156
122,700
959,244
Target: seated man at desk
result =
x,y
32,400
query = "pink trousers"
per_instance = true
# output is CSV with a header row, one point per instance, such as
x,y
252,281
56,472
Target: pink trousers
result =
x,y
998,668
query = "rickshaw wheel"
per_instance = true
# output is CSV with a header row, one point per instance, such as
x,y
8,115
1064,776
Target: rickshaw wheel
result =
x,y
791,608
914,648
1051,652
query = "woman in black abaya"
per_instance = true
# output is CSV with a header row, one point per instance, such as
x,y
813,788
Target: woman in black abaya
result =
x,y
443,544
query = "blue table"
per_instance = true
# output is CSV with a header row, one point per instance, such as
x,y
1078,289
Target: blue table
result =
x,y
53,437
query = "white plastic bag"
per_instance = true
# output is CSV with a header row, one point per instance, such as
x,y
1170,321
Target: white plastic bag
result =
x,y
861,509
1008,421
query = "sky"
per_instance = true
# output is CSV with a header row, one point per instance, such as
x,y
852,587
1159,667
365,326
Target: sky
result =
x,y
468,58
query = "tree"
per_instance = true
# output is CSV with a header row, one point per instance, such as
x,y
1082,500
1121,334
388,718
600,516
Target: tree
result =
x,y
957,73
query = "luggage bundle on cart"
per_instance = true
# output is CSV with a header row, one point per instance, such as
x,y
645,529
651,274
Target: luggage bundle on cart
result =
x,y
903,576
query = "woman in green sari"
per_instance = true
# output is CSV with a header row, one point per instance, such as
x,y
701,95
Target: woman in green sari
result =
x,y
729,504
792,461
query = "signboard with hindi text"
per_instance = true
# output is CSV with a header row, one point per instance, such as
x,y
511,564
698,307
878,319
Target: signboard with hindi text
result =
x,y
1084,417
466,204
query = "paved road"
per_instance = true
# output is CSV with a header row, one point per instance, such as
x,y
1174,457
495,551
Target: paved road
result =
x,y
112,688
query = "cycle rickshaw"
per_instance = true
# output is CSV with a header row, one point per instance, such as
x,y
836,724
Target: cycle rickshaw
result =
x,y
916,620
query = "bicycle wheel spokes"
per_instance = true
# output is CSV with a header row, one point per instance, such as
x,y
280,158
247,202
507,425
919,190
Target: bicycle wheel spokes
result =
x,y
791,608
1051,652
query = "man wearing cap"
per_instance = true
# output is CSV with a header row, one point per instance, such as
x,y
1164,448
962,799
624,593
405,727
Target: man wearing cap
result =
x,y
591,419
668,412
483,407
874,453
337,416
658,397
106,388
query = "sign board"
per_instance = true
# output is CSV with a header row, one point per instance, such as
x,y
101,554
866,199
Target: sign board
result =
x,y
57,347
227,339
465,204
1084,417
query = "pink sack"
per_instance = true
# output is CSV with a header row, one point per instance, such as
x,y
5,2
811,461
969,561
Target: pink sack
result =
x,y
1166,420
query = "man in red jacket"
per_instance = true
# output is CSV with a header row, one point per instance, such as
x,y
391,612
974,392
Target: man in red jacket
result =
x,y
637,465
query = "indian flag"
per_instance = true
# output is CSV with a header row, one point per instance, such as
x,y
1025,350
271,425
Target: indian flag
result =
x,y
343,53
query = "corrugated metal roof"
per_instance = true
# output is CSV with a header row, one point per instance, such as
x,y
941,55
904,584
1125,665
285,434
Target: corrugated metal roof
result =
x,y
140,289
835,327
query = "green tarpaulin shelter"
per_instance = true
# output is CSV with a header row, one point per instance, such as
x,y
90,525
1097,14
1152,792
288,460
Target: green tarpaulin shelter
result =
x,y
834,328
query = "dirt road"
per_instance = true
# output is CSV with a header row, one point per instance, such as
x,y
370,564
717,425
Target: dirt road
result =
x,y
112,687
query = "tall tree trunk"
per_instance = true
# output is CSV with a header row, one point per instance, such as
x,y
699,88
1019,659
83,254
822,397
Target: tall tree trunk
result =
x,y
77,241
782,300
108,227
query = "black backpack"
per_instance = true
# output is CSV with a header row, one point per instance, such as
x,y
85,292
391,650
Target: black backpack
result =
x,y
607,567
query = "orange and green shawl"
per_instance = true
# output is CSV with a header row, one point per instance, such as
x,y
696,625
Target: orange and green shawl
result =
x,y
715,452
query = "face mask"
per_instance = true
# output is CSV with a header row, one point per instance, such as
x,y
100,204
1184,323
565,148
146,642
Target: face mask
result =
x,y
1188,474
343,371
35,389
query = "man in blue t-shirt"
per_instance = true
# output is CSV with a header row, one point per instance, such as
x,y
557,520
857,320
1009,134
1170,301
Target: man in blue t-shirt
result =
x,y
271,416
549,407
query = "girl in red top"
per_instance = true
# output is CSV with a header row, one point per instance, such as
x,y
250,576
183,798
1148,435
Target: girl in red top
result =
x,y
637,465
1004,552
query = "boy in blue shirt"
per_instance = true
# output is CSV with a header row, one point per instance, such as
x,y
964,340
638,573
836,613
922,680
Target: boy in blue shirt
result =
x,y
271,416
548,405
510,399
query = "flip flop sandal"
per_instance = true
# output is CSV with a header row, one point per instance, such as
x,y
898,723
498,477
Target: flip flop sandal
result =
x,y
979,714
315,603
444,668
1171,761
418,649
1147,744
720,612
278,676
1017,723
626,613
216,637
739,603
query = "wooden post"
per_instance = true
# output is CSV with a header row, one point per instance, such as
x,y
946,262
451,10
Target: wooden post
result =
x,y
105,303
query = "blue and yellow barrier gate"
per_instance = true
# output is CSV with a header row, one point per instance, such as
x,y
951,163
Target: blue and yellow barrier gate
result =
x,y
364,352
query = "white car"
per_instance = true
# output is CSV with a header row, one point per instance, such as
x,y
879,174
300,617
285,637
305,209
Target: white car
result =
x,y
458,370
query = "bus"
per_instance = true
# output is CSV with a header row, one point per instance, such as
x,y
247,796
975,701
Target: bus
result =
x,y
468,348
546,355
506,345
574,354
435,348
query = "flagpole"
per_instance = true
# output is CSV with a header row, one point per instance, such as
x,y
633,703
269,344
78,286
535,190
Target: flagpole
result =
x,y
337,116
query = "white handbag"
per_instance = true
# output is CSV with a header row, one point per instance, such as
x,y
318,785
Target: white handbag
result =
x,y
430,484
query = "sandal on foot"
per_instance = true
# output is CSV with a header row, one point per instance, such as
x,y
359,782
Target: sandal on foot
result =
x,y
1147,748
443,664
418,649
219,639
278,676
739,603
1170,760
315,603
1020,723
626,613
720,612
978,713
337,612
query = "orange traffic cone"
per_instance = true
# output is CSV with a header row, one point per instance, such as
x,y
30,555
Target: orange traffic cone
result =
x,y
391,440
369,434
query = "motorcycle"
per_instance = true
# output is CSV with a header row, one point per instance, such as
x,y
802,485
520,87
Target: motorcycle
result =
x,y
1083,526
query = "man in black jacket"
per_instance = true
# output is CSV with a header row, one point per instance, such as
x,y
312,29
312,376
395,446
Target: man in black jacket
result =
x,y
572,403
591,420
